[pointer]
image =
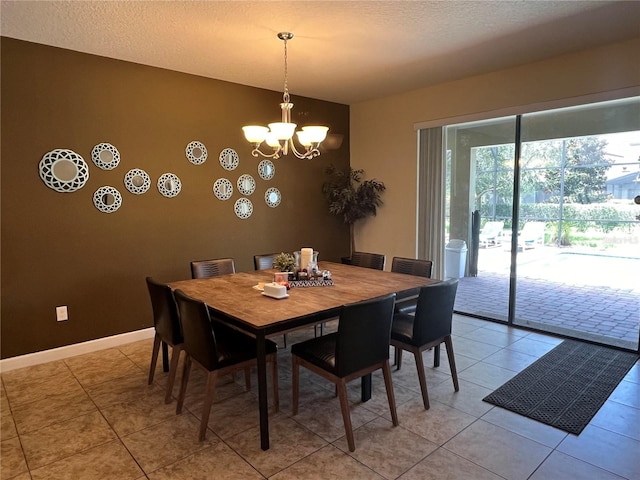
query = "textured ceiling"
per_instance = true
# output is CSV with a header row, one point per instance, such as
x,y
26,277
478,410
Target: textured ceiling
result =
x,y
343,51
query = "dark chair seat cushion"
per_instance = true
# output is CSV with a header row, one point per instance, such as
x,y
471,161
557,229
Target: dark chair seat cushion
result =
x,y
320,351
402,328
235,347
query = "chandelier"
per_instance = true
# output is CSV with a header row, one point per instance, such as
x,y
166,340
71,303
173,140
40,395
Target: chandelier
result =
x,y
279,135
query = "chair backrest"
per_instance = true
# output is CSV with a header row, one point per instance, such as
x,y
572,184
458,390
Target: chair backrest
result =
x,y
492,228
533,231
368,260
166,320
212,268
264,261
434,311
412,266
199,338
364,332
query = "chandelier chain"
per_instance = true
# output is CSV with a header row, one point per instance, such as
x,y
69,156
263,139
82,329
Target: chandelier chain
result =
x,y
285,95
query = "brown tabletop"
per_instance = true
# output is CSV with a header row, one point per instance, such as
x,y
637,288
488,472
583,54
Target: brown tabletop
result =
x,y
233,298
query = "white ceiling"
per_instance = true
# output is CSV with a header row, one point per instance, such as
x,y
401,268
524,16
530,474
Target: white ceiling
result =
x,y
343,51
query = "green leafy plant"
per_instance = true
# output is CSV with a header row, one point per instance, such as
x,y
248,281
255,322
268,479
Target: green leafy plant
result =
x,y
285,262
351,197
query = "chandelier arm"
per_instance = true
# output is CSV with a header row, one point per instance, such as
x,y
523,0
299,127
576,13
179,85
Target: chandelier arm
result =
x,y
307,155
256,152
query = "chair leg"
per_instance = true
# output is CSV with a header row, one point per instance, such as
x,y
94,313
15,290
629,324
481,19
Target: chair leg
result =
x,y
398,358
165,357
388,384
422,377
452,361
154,357
208,401
173,368
274,381
436,356
295,383
346,416
284,340
247,378
183,385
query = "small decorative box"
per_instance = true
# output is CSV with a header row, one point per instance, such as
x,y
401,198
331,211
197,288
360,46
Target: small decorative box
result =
x,y
311,283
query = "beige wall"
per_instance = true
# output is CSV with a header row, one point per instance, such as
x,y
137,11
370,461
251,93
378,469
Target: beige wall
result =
x,y
384,140
58,249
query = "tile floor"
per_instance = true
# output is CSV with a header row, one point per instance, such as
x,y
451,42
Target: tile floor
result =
x,y
94,417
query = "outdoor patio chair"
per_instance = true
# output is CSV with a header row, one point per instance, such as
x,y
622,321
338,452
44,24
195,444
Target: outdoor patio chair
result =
x,y
491,234
532,234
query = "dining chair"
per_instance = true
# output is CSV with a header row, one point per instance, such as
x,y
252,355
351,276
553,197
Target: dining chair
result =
x,y
359,347
410,266
367,260
264,261
428,328
166,323
218,349
212,268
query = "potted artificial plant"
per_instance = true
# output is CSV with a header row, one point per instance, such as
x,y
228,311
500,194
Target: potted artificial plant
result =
x,y
285,262
351,197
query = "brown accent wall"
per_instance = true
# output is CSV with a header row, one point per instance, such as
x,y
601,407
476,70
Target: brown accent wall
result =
x,y
58,249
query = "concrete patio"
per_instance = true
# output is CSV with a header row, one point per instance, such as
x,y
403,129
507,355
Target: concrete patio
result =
x,y
568,291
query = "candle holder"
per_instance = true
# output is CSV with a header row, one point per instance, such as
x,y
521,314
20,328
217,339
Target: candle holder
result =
x,y
306,263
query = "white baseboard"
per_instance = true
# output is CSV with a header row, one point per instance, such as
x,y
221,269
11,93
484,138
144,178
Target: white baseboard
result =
x,y
59,353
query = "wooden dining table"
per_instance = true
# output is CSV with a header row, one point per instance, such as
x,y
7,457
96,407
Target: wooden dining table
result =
x,y
233,299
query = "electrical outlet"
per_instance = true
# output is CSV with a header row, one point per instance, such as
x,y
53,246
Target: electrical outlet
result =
x,y
61,313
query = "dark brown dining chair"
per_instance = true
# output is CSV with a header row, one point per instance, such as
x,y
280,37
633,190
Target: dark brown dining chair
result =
x,y
428,328
359,347
410,266
366,260
212,268
166,323
264,261
218,349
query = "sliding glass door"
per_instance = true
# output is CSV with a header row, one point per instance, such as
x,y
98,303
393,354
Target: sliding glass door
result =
x,y
544,203
578,237
480,160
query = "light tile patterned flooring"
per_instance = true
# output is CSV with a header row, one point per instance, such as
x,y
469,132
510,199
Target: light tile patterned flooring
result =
x,y
94,417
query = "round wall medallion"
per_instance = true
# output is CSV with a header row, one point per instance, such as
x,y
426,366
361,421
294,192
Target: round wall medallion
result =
x,y
137,181
266,169
196,153
229,159
105,156
169,185
246,184
63,170
107,199
223,189
272,197
243,208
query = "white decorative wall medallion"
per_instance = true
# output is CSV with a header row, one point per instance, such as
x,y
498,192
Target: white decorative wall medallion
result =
x,y
196,152
246,184
105,156
137,181
266,169
229,159
169,185
107,199
223,189
272,197
63,170
243,208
